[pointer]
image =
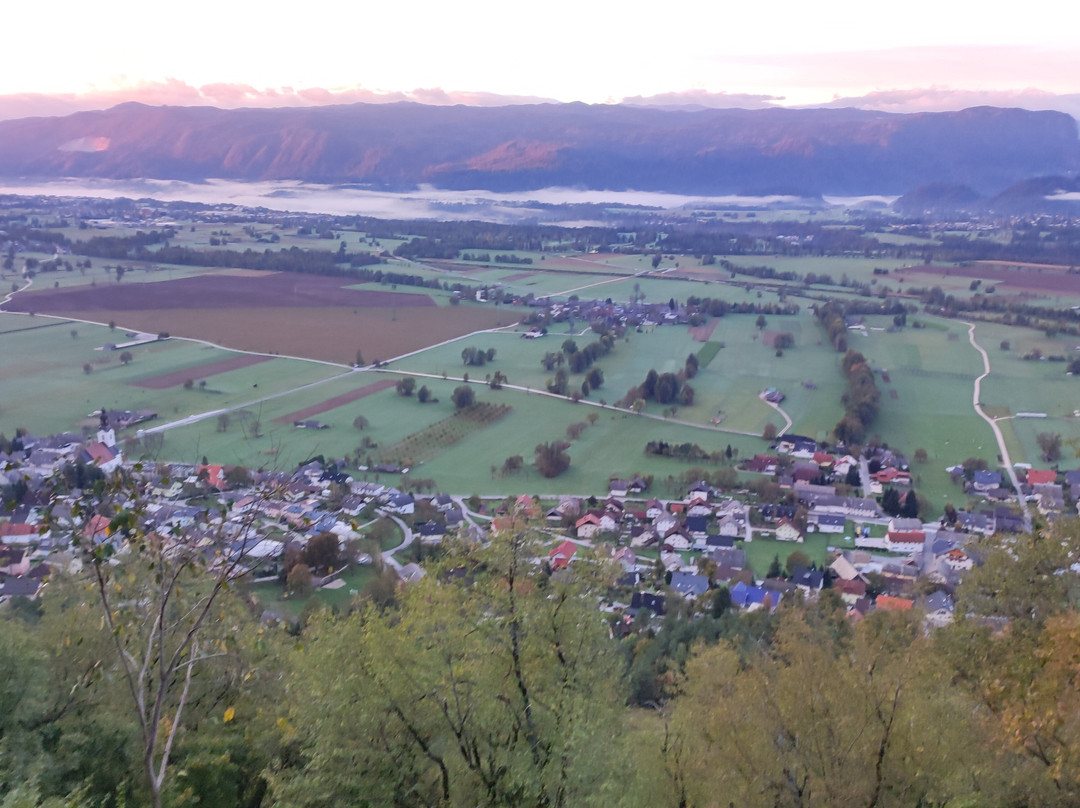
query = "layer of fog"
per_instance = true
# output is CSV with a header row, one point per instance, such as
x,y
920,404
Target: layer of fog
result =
x,y
423,203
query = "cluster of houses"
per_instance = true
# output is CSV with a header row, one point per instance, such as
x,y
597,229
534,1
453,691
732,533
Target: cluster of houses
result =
x,y
684,549
1049,489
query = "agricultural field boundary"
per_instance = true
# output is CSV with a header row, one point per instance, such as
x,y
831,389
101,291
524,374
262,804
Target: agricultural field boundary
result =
x,y
175,377
335,402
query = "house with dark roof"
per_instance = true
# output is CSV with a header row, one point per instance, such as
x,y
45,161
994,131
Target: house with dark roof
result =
x,y
647,600
689,585
986,480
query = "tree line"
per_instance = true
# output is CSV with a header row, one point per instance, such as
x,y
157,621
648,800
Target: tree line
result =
x,y
495,681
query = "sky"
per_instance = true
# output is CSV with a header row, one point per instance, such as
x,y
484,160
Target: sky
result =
x,y
922,54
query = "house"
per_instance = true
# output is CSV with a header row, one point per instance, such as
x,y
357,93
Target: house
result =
x,y
688,585
647,600
213,474
763,464
14,561
808,580
772,513
443,502
844,569
1041,476
751,598
17,532
671,561
786,530
526,507
731,526
696,526
626,558
939,609
646,538
698,507
107,458
402,504
587,526
411,573
826,522
654,508
430,532
561,556
665,524
906,541
730,557
891,476
310,425
678,542
986,480
889,603
850,591
957,560
1051,498
975,522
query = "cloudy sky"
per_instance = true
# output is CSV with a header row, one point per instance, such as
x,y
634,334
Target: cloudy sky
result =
x,y
923,54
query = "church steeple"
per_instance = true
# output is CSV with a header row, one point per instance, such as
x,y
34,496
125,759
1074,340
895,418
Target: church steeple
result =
x,y
106,434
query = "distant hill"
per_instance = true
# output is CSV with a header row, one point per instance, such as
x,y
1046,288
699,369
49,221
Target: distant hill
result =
x,y
399,146
939,197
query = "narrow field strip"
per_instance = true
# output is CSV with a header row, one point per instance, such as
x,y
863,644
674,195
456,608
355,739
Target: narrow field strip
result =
x,y
177,377
335,402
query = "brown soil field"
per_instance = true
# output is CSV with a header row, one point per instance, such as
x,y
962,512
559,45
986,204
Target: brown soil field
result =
x,y
518,276
166,380
595,262
701,333
1027,277
333,334
335,402
285,289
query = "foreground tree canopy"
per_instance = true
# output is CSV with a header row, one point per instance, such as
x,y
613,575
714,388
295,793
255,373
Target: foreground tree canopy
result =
x,y
496,681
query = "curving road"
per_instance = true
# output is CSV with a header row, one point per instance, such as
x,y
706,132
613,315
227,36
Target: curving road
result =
x,y
1002,448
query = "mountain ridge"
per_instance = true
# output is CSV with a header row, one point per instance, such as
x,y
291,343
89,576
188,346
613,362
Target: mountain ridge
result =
x,y
401,145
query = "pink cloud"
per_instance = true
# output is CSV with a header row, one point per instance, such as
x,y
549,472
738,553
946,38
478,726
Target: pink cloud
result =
x,y
173,92
943,99
704,98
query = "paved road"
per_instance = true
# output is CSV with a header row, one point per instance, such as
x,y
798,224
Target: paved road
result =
x,y
388,556
582,402
864,475
1003,450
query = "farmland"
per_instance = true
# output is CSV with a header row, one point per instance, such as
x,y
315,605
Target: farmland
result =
x,y
303,333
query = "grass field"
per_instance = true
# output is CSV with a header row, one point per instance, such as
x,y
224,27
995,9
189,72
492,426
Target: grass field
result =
x,y
926,402
43,385
271,596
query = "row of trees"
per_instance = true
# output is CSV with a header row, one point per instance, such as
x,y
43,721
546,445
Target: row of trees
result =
x,y
666,388
861,401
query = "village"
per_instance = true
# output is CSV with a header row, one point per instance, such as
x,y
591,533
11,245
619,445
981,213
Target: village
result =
x,y
682,555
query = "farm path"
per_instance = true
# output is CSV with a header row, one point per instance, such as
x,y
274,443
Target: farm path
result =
x,y
532,391
1003,450
598,283
783,415
202,416
13,292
